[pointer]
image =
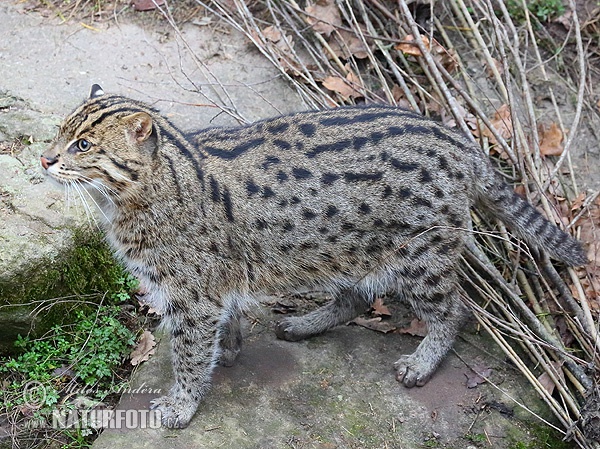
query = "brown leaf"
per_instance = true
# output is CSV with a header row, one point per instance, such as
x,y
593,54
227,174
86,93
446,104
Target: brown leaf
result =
x,y
410,47
547,382
417,328
144,349
375,324
347,87
324,16
477,375
502,122
345,43
147,5
271,33
551,140
379,309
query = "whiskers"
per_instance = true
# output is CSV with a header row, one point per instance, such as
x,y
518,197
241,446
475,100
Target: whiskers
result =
x,y
81,188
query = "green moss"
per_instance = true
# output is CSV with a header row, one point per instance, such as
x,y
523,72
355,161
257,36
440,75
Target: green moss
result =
x,y
50,292
541,437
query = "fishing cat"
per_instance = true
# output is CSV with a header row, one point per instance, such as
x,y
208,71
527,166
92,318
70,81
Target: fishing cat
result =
x,y
359,201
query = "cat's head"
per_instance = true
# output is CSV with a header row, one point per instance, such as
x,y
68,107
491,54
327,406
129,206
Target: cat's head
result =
x,y
106,144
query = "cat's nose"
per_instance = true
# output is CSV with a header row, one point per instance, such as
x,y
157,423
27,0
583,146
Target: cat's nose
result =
x,y
48,162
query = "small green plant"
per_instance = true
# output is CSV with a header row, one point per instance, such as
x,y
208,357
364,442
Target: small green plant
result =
x,y
476,437
88,351
543,10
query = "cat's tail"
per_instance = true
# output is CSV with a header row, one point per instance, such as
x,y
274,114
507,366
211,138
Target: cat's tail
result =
x,y
525,221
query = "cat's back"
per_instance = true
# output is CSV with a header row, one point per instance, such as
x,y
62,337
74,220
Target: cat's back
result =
x,y
361,160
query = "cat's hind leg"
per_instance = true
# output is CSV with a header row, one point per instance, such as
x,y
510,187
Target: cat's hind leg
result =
x,y
346,305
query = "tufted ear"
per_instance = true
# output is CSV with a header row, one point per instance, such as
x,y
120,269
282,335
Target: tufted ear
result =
x,y
139,126
96,91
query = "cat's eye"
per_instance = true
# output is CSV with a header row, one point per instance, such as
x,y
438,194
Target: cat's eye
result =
x,y
83,145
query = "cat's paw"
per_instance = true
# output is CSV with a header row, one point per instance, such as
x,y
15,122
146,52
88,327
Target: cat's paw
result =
x,y
175,412
290,329
411,371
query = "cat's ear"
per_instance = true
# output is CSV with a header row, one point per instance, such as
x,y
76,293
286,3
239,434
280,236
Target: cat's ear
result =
x,y
96,91
139,126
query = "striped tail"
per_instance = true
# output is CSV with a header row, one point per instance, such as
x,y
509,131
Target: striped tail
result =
x,y
527,223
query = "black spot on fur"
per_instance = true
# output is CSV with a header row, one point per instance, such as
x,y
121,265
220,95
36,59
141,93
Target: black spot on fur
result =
x,y
215,194
282,176
329,178
282,144
252,187
277,128
295,200
301,173
331,211
227,204
308,214
359,142
337,146
268,192
357,177
308,129
288,226
425,176
364,209
261,224
270,160
404,166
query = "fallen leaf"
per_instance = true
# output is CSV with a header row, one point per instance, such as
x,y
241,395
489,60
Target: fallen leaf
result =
x,y
375,324
272,33
345,43
477,375
417,328
324,16
147,5
144,349
347,87
410,47
380,309
501,122
547,382
551,139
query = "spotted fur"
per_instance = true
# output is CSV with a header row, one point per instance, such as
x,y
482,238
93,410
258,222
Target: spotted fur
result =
x,y
359,201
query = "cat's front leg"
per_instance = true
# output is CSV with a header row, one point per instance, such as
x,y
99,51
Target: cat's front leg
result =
x,y
195,353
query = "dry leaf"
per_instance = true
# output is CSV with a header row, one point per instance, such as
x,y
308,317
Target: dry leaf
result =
x,y
345,43
417,328
551,140
547,382
502,123
410,47
144,349
477,375
272,33
324,16
375,324
345,87
147,5
379,309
